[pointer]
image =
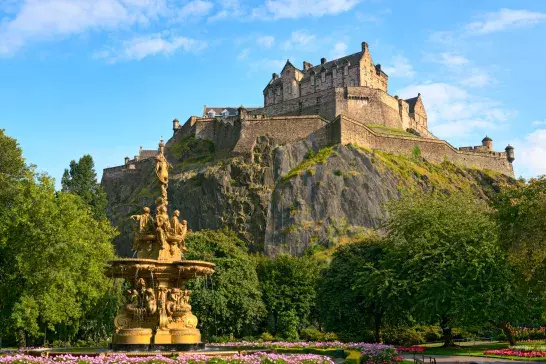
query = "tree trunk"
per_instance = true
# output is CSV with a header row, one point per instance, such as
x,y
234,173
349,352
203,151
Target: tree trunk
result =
x,y
506,328
21,338
447,335
377,324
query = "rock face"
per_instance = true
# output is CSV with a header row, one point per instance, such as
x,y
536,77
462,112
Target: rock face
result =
x,y
288,198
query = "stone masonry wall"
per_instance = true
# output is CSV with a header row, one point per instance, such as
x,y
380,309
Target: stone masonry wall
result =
x,y
433,150
281,129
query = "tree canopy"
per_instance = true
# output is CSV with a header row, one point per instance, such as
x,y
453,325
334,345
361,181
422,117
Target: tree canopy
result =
x,y
229,302
81,179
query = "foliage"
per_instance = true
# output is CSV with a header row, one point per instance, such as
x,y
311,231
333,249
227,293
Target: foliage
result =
x,y
521,212
12,170
190,150
445,253
52,255
81,180
56,252
288,324
356,293
288,284
311,160
229,302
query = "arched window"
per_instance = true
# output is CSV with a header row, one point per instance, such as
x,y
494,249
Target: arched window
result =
x,y
312,80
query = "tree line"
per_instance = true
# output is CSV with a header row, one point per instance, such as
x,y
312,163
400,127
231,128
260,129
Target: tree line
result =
x,y
441,260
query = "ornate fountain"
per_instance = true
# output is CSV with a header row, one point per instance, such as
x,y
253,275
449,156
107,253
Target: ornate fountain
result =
x,y
157,314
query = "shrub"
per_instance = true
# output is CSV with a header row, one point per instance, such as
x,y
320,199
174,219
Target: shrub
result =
x,y
405,336
287,326
311,334
266,336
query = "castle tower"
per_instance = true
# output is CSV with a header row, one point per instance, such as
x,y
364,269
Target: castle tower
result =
x,y
488,142
510,153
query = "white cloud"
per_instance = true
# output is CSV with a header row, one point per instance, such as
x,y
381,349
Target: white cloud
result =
x,y
265,41
292,9
39,20
340,50
539,122
300,39
477,78
531,153
141,47
264,64
243,54
453,112
194,9
504,19
451,59
399,67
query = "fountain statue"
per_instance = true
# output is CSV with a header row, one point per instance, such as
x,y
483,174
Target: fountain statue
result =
x,y
157,314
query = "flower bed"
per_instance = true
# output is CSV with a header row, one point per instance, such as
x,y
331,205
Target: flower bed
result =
x,y
257,358
515,352
411,349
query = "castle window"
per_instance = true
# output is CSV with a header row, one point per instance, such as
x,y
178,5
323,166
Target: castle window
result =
x,y
289,88
312,80
278,91
211,113
346,70
300,107
323,76
334,73
270,93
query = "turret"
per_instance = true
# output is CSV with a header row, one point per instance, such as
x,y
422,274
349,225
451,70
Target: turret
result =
x,y
127,159
322,60
176,125
488,142
242,112
364,47
510,153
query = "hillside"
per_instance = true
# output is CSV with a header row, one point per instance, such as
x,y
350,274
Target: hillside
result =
x,y
289,198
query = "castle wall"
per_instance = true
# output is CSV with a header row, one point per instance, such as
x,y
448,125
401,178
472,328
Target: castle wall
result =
x,y
321,103
281,129
433,150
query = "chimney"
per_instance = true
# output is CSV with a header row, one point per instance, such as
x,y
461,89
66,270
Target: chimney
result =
x,y
275,76
364,47
306,65
322,60
127,160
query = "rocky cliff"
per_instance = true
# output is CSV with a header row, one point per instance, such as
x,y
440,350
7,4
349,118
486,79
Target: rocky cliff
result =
x,y
288,198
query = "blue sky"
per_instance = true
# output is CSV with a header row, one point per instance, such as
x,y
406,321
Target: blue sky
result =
x,y
106,76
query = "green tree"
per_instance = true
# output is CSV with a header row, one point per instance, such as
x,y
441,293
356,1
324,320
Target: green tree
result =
x,y
521,217
229,302
356,291
288,284
56,251
81,179
447,259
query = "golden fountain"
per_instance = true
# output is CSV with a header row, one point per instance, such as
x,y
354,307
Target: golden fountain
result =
x,y
157,315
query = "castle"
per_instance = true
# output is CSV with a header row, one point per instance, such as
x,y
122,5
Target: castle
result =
x,y
340,101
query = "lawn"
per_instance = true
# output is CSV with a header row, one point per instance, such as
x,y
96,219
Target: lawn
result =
x,y
469,349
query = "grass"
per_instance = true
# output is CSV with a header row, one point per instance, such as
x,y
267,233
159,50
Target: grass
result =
x,y
474,350
382,129
310,161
